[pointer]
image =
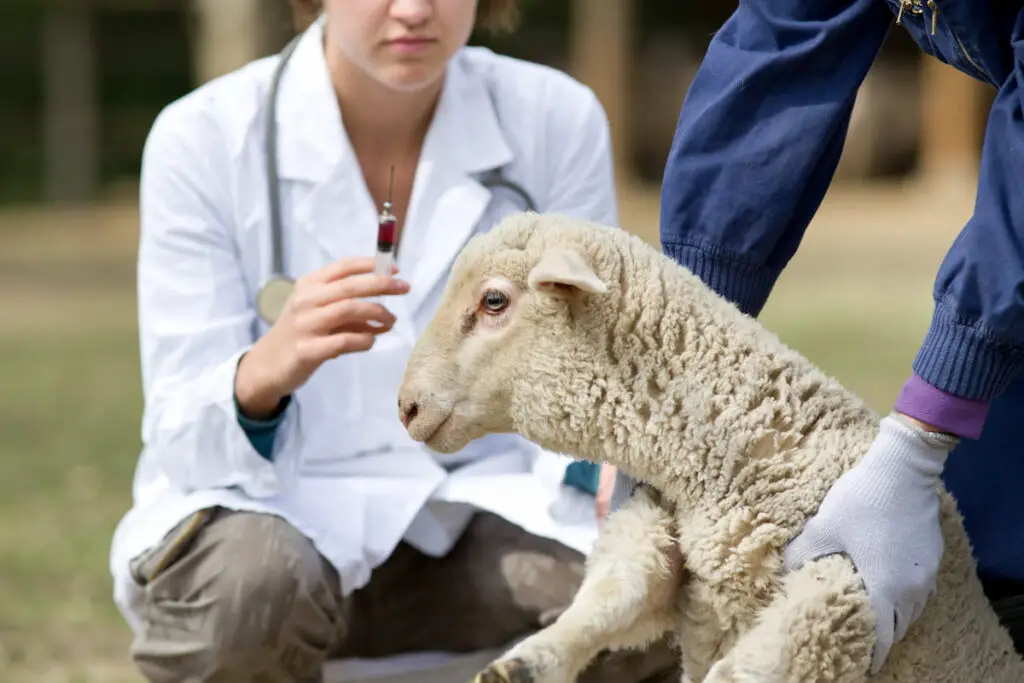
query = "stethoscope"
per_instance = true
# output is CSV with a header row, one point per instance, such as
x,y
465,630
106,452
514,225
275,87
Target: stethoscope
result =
x,y
275,292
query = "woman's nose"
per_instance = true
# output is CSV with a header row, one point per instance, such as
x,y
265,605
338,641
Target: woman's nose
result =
x,y
412,12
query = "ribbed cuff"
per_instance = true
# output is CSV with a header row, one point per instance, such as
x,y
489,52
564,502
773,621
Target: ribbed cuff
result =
x,y
744,284
963,361
923,402
582,475
261,433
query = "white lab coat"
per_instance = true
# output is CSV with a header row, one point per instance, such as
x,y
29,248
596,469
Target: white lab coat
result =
x,y
344,471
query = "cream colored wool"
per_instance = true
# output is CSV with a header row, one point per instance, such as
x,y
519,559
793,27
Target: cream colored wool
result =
x,y
611,352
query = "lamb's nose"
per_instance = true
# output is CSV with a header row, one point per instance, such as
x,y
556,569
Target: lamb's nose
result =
x,y
407,411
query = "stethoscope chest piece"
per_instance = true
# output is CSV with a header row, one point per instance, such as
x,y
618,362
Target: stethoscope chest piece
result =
x,y
273,296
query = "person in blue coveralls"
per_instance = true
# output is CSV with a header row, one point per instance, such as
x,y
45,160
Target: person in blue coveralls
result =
x,y
758,140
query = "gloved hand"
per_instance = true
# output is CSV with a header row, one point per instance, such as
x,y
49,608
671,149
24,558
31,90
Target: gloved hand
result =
x,y
884,514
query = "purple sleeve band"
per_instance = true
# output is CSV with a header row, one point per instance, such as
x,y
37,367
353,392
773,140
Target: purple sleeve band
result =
x,y
960,416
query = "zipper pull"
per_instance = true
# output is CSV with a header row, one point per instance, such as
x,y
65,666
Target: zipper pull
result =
x,y
903,6
935,13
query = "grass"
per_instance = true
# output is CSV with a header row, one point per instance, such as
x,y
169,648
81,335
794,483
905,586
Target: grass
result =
x,y
69,425
70,405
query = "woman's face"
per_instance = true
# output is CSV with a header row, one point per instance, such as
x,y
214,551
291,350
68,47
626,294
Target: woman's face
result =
x,y
404,44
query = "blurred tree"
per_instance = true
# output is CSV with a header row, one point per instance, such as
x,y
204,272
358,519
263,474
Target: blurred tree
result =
x,y
21,94
145,56
304,12
140,60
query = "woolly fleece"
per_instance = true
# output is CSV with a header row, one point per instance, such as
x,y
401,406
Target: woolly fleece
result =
x,y
611,352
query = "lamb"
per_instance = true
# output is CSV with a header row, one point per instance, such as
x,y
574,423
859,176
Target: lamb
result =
x,y
587,341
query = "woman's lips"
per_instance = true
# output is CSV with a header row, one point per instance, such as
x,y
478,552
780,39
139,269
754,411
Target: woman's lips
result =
x,y
410,45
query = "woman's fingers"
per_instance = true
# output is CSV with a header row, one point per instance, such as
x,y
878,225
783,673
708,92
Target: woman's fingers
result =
x,y
348,337
348,312
332,346
363,328
321,295
354,287
367,286
335,311
346,267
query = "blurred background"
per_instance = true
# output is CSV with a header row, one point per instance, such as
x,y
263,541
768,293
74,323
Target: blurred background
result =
x,y
82,81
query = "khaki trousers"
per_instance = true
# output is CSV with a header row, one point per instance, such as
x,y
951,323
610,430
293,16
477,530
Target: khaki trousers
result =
x,y
233,597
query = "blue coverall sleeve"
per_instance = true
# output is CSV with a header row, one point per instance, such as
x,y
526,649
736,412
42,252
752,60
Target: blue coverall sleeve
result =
x,y
758,140
974,345
759,137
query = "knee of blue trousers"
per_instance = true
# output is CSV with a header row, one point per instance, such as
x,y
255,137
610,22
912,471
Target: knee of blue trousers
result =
x,y
253,597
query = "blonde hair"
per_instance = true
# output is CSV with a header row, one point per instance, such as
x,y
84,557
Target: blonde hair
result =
x,y
493,16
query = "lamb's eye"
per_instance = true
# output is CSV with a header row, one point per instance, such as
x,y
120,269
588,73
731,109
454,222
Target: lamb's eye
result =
x,y
495,301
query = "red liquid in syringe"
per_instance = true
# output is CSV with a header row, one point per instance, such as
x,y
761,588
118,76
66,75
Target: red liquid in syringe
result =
x,y
386,224
386,229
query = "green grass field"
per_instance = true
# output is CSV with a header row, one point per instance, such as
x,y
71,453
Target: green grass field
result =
x,y
70,405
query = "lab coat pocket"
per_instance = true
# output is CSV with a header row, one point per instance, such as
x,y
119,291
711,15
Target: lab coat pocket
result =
x,y
153,563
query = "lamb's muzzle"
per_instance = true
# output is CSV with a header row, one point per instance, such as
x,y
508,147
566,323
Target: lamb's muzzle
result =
x,y
424,413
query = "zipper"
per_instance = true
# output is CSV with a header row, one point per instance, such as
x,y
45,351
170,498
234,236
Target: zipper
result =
x,y
935,13
968,55
963,49
915,7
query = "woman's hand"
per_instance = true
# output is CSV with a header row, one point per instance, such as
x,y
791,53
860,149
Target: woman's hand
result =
x,y
325,316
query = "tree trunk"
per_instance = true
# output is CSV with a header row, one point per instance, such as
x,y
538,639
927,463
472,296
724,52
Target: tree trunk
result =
x,y
70,110
601,47
229,35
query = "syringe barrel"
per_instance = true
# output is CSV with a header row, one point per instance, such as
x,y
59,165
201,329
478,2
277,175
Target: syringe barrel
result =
x,y
383,263
385,244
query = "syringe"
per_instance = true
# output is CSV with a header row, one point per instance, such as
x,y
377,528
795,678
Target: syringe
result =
x,y
386,228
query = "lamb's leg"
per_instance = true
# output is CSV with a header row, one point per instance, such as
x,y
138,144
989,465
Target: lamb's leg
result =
x,y
626,600
820,626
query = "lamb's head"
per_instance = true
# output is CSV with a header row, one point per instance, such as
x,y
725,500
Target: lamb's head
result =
x,y
522,307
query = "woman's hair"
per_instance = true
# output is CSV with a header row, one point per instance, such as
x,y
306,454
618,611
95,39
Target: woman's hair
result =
x,y
493,16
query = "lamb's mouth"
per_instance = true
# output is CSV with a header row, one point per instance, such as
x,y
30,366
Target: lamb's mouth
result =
x,y
436,430
449,437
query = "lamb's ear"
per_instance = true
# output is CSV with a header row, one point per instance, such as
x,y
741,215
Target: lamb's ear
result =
x,y
563,267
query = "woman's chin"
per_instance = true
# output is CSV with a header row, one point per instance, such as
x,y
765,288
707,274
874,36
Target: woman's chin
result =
x,y
409,78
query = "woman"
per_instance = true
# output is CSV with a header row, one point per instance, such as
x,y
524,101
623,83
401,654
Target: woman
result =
x,y
281,515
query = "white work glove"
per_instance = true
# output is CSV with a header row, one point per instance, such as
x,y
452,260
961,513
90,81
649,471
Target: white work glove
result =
x,y
884,514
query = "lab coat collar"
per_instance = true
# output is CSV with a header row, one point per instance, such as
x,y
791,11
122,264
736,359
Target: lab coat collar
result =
x,y
465,138
311,139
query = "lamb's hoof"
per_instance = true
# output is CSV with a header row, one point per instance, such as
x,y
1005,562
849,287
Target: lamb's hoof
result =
x,y
506,671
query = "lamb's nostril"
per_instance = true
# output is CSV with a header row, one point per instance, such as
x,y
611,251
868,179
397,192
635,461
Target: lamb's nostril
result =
x,y
408,412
